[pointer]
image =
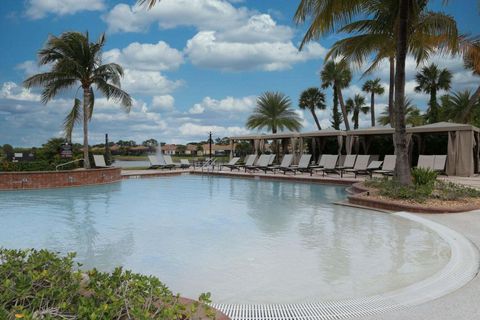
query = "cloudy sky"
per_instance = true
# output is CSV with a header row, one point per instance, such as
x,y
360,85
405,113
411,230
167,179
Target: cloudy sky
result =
x,y
192,66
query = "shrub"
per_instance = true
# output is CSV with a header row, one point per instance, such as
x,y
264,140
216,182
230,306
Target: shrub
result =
x,y
43,285
39,165
452,191
423,177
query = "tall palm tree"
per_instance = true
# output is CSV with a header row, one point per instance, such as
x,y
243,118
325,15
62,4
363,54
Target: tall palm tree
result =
x,y
75,62
330,15
455,107
430,80
356,106
377,36
413,117
274,112
338,76
471,60
373,87
148,3
312,99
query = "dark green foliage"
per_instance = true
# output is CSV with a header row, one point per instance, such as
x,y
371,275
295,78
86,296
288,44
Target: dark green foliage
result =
x,y
424,177
425,187
43,285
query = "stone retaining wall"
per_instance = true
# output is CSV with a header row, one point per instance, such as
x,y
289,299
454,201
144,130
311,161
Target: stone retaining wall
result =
x,y
58,179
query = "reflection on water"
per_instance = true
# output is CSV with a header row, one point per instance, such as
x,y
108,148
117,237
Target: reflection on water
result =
x,y
244,240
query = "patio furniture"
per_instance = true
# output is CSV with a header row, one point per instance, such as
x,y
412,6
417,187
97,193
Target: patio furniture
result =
x,y
99,161
388,165
361,164
330,165
349,163
439,164
184,164
286,163
232,164
262,163
425,162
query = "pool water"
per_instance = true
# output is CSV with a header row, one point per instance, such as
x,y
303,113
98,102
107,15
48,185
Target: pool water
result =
x,y
243,240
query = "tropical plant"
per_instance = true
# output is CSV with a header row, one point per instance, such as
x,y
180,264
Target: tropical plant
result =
x,y
44,285
274,112
471,60
373,87
430,80
337,75
75,60
374,37
413,117
356,106
331,15
337,118
312,99
455,107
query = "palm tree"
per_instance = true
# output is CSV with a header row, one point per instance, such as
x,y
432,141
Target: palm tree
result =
x,y
312,99
377,36
330,15
471,60
455,107
338,76
274,112
412,117
430,80
77,61
356,106
373,87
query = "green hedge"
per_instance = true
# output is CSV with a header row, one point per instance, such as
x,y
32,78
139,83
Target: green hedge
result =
x,y
39,165
43,285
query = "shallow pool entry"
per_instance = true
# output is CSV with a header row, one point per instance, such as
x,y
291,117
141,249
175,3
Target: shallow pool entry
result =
x,y
246,241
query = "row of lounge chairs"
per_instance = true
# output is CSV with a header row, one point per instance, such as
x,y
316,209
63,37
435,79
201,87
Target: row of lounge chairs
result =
x,y
166,162
329,163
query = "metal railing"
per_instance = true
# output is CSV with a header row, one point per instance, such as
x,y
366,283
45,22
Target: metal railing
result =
x,y
64,164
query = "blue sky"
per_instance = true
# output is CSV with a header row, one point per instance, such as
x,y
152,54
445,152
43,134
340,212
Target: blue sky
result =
x,y
192,66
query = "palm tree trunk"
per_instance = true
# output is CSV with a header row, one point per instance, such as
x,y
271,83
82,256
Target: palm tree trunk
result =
x,y
473,100
355,119
433,107
314,115
372,108
344,109
86,103
402,166
391,91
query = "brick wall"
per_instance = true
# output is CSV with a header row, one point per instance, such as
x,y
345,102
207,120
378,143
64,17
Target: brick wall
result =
x,y
52,179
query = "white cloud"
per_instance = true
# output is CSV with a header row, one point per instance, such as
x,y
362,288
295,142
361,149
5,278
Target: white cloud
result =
x,y
146,56
10,90
259,28
228,104
205,50
148,82
196,130
37,9
201,14
196,109
163,103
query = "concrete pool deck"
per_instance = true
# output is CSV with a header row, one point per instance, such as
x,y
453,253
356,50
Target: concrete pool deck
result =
x,y
459,304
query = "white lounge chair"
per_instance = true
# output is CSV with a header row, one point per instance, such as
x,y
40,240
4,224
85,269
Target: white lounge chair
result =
x,y
99,161
169,162
261,164
349,162
361,165
249,161
425,162
388,165
286,163
232,164
303,165
439,164
330,165
185,164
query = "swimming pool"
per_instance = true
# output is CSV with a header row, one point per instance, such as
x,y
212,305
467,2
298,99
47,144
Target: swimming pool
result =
x,y
244,240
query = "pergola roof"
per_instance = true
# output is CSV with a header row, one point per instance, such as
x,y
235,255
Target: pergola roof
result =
x,y
428,128
285,135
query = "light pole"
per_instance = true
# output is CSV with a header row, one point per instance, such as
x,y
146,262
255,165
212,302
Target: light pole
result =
x,y
210,144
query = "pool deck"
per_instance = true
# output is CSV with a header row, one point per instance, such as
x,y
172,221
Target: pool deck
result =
x,y
460,304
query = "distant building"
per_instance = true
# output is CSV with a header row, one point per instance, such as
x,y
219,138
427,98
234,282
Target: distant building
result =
x,y
191,150
169,149
217,150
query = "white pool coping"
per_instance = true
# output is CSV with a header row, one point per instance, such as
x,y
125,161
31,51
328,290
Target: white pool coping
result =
x,y
462,267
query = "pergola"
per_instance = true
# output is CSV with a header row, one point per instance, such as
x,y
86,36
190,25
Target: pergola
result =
x,y
294,140
463,150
